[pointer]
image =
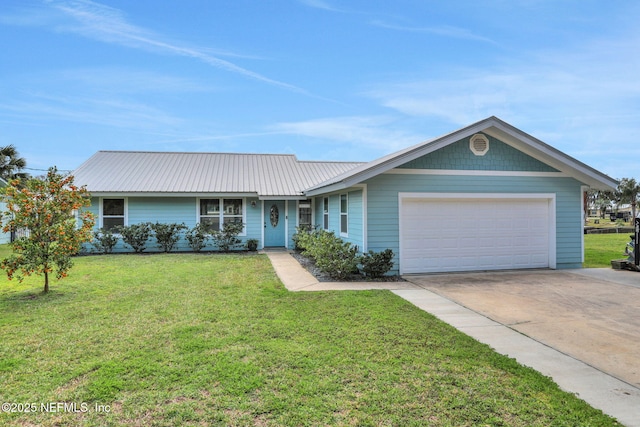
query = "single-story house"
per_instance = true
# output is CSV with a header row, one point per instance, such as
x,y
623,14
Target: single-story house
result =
x,y
485,197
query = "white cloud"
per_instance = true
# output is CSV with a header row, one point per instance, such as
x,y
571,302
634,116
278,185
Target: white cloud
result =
x,y
597,82
585,100
119,80
440,30
108,112
319,4
368,133
108,24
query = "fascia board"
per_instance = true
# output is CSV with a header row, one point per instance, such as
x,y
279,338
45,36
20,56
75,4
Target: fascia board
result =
x,y
399,158
551,156
332,188
167,194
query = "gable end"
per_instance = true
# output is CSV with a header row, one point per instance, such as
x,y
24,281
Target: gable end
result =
x,y
459,156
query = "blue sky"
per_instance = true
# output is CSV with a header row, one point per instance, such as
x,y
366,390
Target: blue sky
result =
x,y
322,79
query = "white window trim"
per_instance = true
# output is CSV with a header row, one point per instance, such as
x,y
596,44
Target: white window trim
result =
x,y
326,225
221,201
310,201
101,210
345,214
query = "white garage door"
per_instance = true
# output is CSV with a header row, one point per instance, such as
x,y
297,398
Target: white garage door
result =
x,y
442,235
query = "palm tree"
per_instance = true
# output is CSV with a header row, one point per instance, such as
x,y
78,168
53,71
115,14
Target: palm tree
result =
x,y
11,164
628,190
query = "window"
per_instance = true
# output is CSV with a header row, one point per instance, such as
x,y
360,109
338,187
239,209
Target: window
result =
x,y
344,214
214,212
304,214
325,213
112,214
210,213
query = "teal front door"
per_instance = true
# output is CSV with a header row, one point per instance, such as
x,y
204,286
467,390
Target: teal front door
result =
x,y
274,219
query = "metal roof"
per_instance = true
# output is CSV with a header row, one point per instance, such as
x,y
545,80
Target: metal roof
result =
x,y
283,175
267,175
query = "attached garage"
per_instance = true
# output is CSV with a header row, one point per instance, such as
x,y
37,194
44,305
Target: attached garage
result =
x,y
474,232
484,197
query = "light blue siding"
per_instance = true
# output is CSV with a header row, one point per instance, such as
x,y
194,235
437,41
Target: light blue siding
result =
x,y
180,210
318,211
292,222
254,223
458,156
373,212
355,224
4,237
383,209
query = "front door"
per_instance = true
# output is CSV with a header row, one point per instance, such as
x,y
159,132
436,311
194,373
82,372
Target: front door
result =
x,y
274,219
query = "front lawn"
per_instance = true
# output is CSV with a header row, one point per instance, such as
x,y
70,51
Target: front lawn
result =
x,y
600,249
187,339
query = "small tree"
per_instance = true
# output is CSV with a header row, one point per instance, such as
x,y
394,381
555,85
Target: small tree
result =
x,y
46,208
227,238
167,235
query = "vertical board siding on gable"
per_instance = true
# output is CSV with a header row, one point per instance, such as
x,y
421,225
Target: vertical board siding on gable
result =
x,y
382,198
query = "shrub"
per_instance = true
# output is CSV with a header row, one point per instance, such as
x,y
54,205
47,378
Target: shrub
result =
x,y
303,237
376,264
104,240
167,235
227,238
332,255
337,258
252,245
197,237
136,235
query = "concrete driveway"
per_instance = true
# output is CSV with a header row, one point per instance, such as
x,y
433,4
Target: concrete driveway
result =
x,y
591,315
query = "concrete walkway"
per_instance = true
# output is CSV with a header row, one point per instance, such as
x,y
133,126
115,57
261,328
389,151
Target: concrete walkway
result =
x,y
602,391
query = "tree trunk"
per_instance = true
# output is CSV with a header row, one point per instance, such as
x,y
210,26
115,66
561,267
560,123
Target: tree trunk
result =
x,y
46,282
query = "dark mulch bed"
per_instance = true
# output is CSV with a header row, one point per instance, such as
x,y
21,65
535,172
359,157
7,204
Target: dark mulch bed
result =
x,y
310,266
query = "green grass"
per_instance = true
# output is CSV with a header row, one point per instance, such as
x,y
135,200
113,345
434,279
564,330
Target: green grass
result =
x,y
600,249
191,340
607,223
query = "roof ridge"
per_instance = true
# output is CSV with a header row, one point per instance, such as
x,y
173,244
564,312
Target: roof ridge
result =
x,y
332,161
195,152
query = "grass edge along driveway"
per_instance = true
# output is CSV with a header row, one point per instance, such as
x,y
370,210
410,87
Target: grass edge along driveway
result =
x,y
187,339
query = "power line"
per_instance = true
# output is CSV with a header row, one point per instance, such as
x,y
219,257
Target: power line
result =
x,y
46,170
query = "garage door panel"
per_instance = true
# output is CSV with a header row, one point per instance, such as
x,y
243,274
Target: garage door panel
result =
x,y
440,235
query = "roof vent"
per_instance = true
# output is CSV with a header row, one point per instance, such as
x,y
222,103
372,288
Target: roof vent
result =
x,y
479,144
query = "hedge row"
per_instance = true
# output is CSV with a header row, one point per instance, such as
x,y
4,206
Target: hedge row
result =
x,y
167,235
340,259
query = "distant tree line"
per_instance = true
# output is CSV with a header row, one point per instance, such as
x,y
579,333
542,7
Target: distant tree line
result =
x,y
627,193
